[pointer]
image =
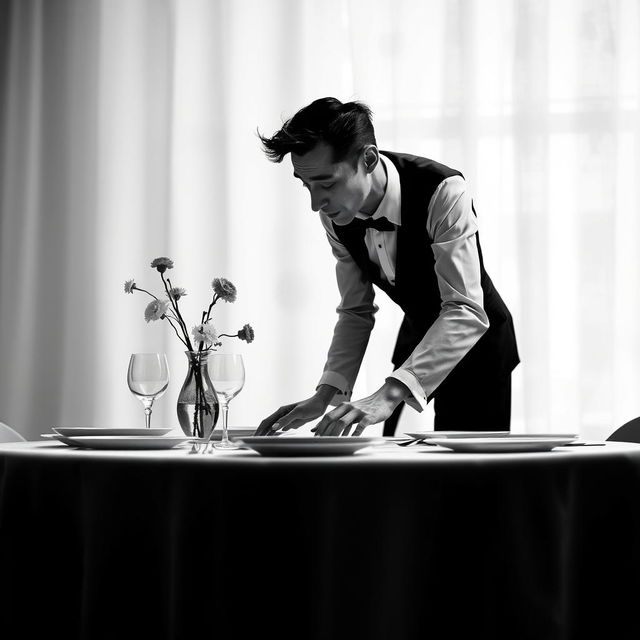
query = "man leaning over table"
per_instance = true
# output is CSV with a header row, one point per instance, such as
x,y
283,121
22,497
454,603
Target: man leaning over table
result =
x,y
407,225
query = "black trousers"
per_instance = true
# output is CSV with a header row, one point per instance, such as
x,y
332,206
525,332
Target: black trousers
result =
x,y
484,405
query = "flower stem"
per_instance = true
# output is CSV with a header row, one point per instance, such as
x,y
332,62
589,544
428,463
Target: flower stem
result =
x,y
147,292
201,403
174,304
213,301
174,328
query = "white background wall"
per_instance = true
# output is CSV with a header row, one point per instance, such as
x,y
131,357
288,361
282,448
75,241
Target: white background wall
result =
x,y
129,132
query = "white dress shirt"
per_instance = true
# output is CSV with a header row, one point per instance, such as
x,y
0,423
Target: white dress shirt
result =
x,y
451,224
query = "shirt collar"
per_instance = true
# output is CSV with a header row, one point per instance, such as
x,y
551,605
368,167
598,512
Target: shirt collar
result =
x,y
389,206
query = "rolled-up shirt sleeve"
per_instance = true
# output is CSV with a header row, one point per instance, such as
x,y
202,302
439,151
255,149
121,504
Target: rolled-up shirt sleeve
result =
x,y
452,226
356,319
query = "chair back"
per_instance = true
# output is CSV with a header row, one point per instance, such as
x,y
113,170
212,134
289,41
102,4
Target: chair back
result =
x,y
628,432
7,434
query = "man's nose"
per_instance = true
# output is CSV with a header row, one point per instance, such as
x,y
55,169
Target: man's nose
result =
x,y
317,201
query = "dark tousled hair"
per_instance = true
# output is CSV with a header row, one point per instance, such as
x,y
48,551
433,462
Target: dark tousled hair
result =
x,y
345,127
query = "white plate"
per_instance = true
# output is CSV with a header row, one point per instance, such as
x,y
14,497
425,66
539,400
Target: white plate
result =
x,y
122,442
99,431
234,434
502,444
421,435
311,446
485,434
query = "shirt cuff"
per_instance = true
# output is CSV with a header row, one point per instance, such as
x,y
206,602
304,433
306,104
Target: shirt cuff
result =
x,y
418,399
340,382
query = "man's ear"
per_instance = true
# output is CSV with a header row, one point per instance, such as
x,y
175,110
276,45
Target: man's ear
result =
x,y
371,157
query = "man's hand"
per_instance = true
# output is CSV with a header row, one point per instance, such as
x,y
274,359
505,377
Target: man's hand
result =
x,y
370,410
295,415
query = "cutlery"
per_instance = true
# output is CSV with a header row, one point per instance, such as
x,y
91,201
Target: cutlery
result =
x,y
410,443
195,447
583,444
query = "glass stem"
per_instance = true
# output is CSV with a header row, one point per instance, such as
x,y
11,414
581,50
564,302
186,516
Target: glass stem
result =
x,y
148,403
225,414
147,417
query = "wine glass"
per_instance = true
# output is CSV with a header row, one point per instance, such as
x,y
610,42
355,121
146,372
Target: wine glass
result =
x,y
227,375
148,379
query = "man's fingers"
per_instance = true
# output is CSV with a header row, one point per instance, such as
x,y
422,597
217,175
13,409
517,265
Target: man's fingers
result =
x,y
329,418
263,427
363,423
360,427
338,426
340,421
266,426
292,424
358,430
294,419
346,430
349,420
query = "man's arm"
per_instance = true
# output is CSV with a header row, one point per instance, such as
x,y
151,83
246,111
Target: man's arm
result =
x,y
355,322
294,415
462,321
350,338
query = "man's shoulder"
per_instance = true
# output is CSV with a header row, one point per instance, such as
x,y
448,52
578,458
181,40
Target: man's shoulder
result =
x,y
413,163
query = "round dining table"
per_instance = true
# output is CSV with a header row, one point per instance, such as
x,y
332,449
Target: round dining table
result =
x,y
387,543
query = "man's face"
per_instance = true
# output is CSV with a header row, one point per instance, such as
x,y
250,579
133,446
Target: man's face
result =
x,y
338,190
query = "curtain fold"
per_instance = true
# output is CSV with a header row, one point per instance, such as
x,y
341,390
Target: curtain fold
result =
x,y
128,132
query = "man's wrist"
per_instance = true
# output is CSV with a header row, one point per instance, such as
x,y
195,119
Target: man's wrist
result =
x,y
325,392
395,390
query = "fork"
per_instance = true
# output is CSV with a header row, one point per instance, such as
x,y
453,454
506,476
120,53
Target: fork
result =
x,y
410,443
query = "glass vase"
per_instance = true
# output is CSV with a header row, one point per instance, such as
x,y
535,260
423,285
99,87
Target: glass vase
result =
x,y
198,406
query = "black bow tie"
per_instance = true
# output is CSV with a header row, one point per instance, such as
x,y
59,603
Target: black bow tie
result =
x,y
381,224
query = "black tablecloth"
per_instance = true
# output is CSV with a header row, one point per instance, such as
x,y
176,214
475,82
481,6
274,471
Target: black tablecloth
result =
x,y
390,545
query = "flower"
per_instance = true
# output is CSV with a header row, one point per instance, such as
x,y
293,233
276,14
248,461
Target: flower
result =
x,y
204,333
162,264
156,310
177,292
246,333
224,289
202,411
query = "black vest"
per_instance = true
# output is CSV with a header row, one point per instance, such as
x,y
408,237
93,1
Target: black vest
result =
x,y
416,287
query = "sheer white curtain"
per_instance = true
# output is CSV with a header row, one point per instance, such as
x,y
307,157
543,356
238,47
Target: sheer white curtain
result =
x,y
128,132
